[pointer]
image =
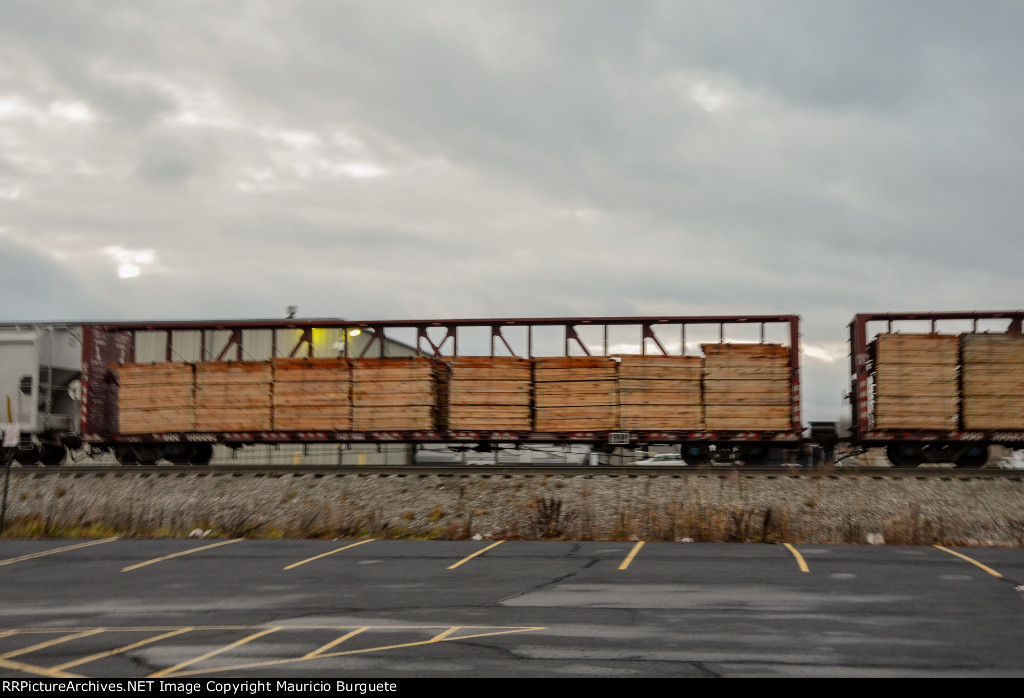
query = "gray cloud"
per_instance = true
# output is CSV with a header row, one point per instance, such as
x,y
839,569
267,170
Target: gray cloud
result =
x,y
534,158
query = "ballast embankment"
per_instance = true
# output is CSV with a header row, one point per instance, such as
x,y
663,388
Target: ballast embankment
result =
x,y
896,508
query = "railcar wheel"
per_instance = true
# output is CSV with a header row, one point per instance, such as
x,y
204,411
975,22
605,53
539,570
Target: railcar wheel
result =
x,y
148,454
973,457
53,454
904,455
28,458
202,454
181,454
754,454
126,456
695,455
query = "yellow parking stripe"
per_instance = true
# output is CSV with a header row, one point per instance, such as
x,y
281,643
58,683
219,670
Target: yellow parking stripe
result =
x,y
337,550
632,554
478,552
441,637
973,562
799,558
335,643
125,648
183,552
39,670
170,670
31,556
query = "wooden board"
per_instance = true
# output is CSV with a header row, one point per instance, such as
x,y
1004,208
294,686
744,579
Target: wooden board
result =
x,y
765,371
660,397
486,368
489,393
985,384
389,370
916,381
500,417
916,349
992,349
916,388
311,370
234,396
489,398
576,418
728,351
409,418
679,368
574,368
748,424
158,397
749,399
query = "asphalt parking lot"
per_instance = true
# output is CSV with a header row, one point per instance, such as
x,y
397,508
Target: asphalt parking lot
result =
x,y
171,608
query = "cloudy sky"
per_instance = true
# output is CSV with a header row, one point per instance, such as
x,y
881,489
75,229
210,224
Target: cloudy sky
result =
x,y
400,159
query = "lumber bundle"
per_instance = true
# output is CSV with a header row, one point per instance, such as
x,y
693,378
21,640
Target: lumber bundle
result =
x,y
400,394
747,387
992,380
312,394
155,398
233,396
491,393
575,393
660,392
916,381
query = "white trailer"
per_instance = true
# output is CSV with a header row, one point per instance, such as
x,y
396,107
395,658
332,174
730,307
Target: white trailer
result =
x,y
40,371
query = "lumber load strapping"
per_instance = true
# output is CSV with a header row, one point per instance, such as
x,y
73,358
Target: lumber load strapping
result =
x,y
575,393
155,397
400,394
489,393
992,381
747,387
660,392
916,381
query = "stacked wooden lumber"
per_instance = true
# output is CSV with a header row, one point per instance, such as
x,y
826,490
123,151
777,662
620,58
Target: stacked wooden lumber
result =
x,y
992,380
916,381
747,387
489,393
401,394
155,398
660,392
575,393
233,396
312,394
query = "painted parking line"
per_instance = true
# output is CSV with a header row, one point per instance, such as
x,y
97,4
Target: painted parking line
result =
x,y
973,562
122,649
212,653
417,636
51,672
334,643
478,552
32,556
336,550
453,633
799,558
183,552
632,554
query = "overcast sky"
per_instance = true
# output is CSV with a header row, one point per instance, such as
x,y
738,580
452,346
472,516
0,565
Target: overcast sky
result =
x,y
392,160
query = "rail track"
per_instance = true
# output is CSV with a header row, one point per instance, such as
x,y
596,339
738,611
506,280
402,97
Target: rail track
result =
x,y
513,470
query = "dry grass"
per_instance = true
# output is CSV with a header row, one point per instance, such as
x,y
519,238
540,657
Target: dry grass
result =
x,y
702,509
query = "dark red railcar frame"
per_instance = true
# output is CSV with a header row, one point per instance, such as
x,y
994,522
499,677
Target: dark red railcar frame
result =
x,y
107,344
861,415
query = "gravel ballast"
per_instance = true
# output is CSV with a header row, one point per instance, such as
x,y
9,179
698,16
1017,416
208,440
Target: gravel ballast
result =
x,y
707,506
